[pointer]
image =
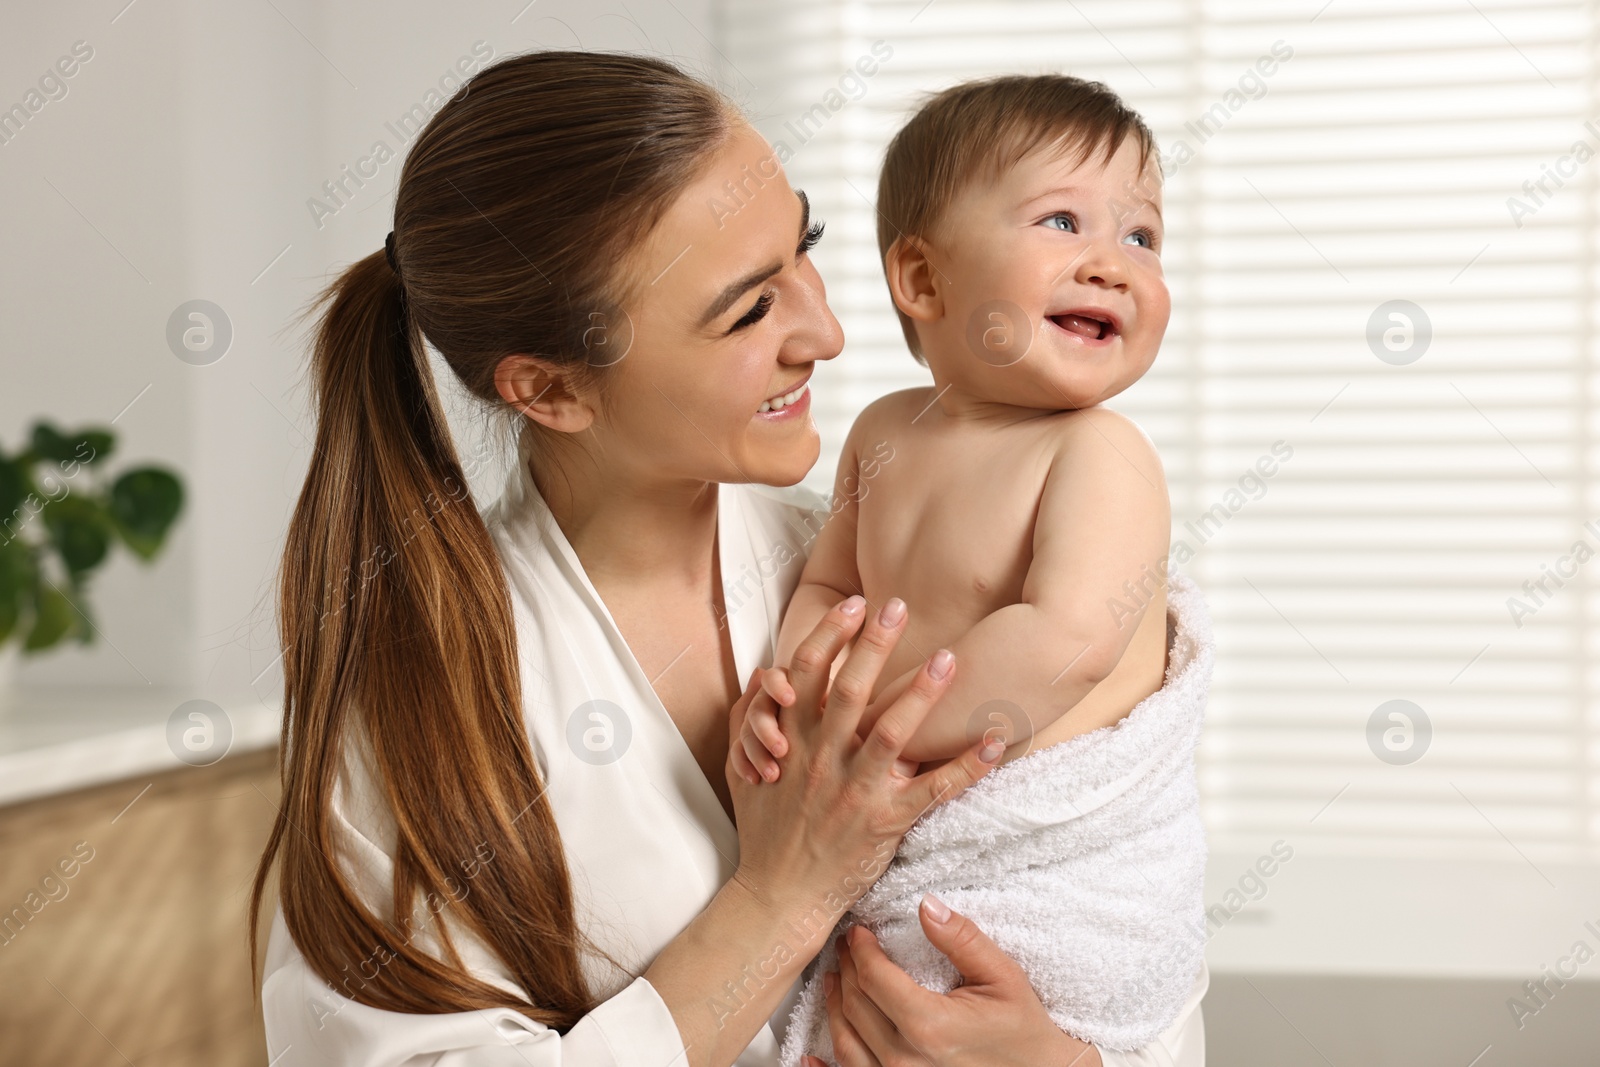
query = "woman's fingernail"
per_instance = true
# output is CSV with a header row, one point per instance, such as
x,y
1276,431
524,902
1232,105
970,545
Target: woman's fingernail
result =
x,y
938,910
991,751
939,665
829,982
853,605
892,612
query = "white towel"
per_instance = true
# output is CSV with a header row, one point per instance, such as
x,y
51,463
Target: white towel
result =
x,y
1084,861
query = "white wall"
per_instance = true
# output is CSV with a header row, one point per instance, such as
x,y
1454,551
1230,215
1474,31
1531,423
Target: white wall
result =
x,y
190,143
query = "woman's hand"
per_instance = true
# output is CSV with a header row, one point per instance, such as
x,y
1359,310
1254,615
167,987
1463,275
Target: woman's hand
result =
x,y
813,842
810,845
761,742
878,1016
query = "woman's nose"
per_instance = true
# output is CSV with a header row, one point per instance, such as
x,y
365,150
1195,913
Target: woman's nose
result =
x,y
816,333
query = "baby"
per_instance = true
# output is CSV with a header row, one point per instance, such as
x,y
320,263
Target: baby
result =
x,y
1026,528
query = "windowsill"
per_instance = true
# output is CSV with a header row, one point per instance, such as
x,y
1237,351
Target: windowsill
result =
x,y
57,740
1403,917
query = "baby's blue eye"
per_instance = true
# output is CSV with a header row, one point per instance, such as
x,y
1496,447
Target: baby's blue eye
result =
x,y
1070,223
1139,237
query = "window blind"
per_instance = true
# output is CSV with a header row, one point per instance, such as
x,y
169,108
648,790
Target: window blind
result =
x,y
1381,256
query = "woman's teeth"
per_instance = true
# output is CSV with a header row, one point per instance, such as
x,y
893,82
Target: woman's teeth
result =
x,y
781,402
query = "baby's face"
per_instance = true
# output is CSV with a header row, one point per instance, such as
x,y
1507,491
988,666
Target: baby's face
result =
x,y
1051,283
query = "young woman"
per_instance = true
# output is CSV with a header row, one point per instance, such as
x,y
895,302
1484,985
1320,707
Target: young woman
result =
x,y
511,829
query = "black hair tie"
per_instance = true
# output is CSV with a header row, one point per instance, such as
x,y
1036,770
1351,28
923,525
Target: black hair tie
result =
x,y
388,252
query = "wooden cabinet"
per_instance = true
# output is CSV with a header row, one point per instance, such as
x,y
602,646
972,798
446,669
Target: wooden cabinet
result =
x,y
140,953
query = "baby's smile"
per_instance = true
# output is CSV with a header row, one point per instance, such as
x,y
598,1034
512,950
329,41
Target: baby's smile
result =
x,y
1087,325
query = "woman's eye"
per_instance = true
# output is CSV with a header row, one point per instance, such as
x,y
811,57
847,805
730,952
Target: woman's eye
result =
x,y
757,312
1067,224
813,235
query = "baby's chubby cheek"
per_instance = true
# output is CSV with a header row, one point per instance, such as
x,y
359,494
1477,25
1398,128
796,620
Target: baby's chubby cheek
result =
x,y
991,269
1152,308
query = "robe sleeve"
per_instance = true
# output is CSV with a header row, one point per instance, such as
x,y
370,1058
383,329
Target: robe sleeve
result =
x,y
309,1024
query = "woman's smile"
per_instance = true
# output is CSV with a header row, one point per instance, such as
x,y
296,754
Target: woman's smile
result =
x,y
790,405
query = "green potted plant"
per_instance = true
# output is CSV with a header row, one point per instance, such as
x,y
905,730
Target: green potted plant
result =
x,y
61,513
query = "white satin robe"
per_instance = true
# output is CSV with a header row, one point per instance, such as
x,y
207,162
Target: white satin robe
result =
x,y
648,843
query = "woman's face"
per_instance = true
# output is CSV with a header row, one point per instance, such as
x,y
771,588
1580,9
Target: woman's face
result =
x,y
727,314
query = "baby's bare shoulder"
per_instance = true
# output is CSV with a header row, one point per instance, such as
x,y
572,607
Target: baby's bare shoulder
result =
x,y
900,406
890,412
1099,437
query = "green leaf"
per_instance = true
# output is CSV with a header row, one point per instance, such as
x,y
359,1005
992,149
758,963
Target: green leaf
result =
x,y
92,446
16,583
52,620
83,446
13,491
48,443
80,530
144,504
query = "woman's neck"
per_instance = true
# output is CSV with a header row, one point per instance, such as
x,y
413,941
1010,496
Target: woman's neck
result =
x,y
625,528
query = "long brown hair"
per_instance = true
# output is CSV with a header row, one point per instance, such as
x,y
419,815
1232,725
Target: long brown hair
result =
x,y
515,205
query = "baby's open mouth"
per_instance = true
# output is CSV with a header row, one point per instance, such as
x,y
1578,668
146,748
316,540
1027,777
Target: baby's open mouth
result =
x,y
1085,325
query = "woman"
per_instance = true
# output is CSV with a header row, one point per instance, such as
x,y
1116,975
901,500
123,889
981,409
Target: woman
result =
x,y
518,724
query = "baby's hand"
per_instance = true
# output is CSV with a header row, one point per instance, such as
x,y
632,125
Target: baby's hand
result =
x,y
761,740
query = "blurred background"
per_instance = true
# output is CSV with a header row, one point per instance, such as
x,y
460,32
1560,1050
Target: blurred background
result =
x,y
1377,404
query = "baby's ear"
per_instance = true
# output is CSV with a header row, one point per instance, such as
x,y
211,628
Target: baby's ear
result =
x,y
913,279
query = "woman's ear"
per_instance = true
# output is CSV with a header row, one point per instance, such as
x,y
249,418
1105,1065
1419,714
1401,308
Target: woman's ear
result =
x,y
543,391
914,282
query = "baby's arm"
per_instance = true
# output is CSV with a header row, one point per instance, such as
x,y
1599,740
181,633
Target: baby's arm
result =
x,y
830,573
1104,519
829,576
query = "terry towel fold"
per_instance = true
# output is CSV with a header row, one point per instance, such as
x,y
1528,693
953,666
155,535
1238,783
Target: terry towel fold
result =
x,y
1084,861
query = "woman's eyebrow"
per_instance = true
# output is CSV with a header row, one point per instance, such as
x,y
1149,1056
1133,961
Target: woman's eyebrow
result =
x,y
730,295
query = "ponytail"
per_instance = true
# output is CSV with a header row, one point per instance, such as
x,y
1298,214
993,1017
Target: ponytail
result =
x,y
395,619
